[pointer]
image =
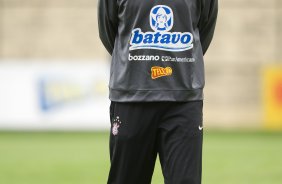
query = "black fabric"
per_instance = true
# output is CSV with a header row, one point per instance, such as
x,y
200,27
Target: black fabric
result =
x,y
171,129
108,23
155,63
207,23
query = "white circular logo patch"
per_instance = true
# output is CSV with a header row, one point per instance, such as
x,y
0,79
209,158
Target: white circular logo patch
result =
x,y
161,18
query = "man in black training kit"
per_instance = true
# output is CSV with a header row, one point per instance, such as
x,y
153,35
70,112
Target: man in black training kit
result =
x,y
156,86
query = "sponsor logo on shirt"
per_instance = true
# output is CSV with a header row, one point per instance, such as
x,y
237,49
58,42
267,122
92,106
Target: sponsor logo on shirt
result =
x,y
161,22
157,71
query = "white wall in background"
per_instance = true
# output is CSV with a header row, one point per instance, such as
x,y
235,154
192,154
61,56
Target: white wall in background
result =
x,y
54,95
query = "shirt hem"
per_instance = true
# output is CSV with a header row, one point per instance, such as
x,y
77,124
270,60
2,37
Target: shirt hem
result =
x,y
155,95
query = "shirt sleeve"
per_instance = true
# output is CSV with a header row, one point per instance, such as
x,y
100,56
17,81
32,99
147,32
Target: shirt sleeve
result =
x,y
207,22
108,23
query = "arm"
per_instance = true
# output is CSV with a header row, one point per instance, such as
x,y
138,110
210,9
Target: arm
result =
x,y
207,22
108,23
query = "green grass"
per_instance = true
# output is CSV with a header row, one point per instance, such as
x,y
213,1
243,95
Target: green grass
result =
x,y
232,157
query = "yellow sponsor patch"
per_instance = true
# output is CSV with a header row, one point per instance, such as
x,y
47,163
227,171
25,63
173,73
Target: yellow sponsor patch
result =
x,y
158,71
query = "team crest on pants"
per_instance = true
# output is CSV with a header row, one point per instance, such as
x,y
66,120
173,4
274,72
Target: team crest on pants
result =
x,y
116,125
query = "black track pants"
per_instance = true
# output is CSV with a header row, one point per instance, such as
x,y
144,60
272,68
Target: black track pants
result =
x,y
141,130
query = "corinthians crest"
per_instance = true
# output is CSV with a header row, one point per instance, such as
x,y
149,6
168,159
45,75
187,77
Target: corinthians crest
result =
x,y
116,125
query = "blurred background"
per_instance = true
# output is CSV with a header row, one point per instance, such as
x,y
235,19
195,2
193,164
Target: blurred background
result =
x,y
54,98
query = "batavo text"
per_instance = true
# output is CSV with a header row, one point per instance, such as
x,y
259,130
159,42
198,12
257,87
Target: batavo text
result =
x,y
168,41
158,37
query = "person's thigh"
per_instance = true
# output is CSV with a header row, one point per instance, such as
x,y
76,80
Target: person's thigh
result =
x,y
180,139
132,142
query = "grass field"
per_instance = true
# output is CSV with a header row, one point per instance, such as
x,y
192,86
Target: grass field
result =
x,y
233,157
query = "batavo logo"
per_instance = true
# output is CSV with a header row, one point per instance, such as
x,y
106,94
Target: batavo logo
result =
x,y
161,22
158,71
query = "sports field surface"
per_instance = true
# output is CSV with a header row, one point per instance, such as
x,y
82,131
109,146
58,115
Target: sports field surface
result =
x,y
230,157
